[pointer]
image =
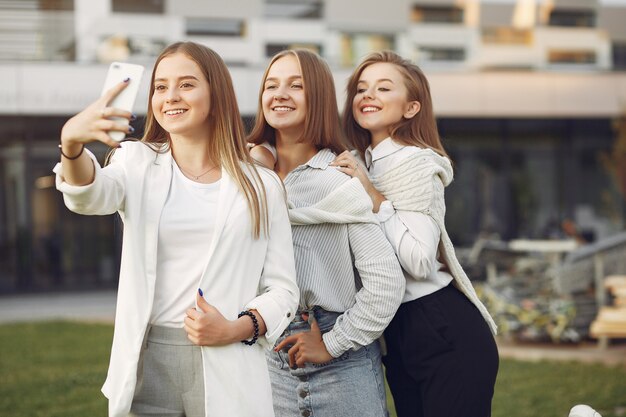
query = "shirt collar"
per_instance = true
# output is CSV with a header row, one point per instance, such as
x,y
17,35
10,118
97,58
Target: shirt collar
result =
x,y
383,149
321,159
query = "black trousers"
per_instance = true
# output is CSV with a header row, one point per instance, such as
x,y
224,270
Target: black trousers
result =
x,y
442,359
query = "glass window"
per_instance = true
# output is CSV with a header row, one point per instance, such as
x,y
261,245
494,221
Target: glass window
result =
x,y
198,26
520,178
572,17
294,9
619,56
441,54
42,244
356,45
436,14
67,5
507,36
571,57
139,6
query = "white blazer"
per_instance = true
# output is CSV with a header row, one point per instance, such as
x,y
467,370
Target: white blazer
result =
x,y
242,273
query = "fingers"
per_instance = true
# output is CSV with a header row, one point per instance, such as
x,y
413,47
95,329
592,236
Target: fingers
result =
x,y
315,328
346,160
292,356
107,112
287,341
202,303
114,91
193,314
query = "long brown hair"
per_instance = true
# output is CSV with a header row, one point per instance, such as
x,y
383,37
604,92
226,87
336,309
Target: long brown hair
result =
x,y
322,126
420,130
227,144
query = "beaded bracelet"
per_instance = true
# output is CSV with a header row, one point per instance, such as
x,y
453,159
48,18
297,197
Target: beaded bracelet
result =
x,y
71,158
255,323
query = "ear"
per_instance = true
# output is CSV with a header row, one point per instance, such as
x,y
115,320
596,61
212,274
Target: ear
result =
x,y
412,108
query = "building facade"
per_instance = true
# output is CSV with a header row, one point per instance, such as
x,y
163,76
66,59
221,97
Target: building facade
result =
x,y
530,98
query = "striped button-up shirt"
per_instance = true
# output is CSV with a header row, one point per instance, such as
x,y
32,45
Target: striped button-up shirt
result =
x,y
328,257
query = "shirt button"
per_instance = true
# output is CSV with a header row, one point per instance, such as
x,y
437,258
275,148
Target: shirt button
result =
x,y
288,314
306,413
303,394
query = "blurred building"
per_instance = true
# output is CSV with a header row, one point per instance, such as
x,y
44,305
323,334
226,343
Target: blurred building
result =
x,y
530,98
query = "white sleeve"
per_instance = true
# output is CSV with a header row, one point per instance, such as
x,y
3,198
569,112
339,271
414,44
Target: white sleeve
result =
x,y
105,195
278,293
414,237
377,300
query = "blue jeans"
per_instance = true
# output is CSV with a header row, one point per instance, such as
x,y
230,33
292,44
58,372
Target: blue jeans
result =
x,y
348,386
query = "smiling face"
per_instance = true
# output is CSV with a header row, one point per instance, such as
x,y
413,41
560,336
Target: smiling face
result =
x,y
283,99
181,101
381,100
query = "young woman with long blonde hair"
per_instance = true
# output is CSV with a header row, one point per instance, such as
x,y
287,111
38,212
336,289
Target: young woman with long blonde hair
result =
x,y
327,363
207,257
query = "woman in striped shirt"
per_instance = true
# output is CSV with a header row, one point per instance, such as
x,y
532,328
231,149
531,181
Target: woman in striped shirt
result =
x,y
327,363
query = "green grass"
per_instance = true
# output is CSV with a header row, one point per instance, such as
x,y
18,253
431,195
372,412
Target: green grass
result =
x,y
53,369
56,370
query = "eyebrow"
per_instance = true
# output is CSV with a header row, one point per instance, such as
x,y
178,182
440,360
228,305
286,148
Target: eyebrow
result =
x,y
183,77
293,77
378,81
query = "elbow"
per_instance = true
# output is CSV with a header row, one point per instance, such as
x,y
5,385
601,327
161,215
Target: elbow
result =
x,y
419,268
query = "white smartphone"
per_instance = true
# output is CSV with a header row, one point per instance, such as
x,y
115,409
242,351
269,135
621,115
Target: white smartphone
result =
x,y
118,72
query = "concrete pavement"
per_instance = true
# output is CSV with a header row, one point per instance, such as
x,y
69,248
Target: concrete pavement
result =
x,y
100,306
84,306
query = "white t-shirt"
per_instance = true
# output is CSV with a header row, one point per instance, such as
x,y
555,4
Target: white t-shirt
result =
x,y
185,230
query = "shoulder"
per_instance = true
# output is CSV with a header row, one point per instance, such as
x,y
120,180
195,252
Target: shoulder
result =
x,y
424,161
137,150
272,184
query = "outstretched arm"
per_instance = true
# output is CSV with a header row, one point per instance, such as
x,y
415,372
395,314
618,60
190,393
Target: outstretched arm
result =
x,y
90,125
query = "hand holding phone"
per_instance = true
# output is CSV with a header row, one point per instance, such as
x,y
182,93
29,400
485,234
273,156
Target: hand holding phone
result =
x,y
118,72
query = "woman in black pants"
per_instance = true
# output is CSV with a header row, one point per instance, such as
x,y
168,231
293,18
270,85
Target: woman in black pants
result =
x,y
442,359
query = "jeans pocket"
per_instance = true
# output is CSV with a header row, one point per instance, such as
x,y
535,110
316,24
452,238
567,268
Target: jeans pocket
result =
x,y
275,359
345,356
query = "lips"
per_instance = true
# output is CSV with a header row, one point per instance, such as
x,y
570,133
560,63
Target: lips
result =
x,y
174,112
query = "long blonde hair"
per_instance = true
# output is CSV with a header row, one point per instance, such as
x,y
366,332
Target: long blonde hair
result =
x,y
322,126
227,144
420,130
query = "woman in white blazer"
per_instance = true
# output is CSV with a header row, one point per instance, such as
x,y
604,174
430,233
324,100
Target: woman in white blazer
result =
x,y
207,253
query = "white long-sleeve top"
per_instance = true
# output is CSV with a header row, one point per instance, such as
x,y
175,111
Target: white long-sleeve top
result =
x,y
414,236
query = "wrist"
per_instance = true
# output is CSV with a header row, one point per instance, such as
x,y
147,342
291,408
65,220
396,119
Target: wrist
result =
x,y
71,152
376,196
249,325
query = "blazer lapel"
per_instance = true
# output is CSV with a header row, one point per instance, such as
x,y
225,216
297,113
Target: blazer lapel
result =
x,y
227,196
157,185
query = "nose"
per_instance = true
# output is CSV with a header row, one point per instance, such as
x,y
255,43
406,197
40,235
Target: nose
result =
x,y
368,93
172,95
280,94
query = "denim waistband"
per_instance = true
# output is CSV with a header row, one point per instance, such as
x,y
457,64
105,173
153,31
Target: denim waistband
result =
x,y
325,319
